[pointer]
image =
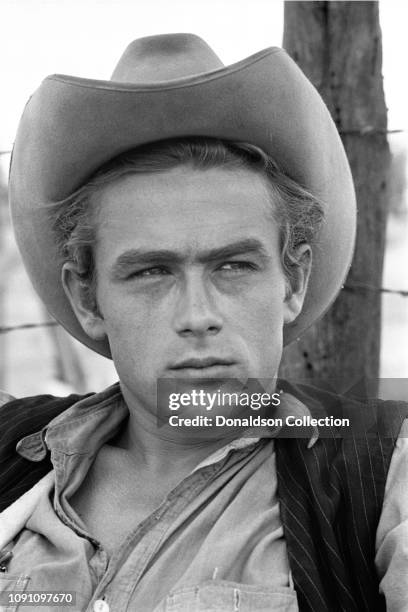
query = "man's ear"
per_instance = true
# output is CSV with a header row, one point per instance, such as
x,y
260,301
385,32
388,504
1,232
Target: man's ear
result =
x,y
297,285
82,301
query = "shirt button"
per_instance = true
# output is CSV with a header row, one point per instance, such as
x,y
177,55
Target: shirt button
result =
x,y
100,606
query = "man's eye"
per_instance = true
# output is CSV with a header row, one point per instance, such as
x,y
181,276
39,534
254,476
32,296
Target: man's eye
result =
x,y
237,266
147,272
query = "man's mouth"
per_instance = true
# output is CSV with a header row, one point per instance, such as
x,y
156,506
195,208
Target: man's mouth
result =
x,y
205,367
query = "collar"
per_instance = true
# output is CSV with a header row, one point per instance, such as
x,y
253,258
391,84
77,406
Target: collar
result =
x,y
103,414
69,431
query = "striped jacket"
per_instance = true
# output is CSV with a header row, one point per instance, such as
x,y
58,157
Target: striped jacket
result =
x,y
330,495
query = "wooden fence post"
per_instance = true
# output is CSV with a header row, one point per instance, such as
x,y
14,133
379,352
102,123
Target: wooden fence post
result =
x,y
338,46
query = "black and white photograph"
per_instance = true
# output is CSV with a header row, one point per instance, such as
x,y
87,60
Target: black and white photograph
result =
x,y
203,306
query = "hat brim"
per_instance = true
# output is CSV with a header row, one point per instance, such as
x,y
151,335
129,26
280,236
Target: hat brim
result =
x,y
71,126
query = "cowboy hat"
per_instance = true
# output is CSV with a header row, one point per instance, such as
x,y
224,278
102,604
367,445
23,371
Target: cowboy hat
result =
x,y
172,86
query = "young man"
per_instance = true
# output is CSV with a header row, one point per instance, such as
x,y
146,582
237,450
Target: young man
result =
x,y
187,219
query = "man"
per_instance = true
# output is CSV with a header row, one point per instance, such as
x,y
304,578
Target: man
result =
x,y
187,219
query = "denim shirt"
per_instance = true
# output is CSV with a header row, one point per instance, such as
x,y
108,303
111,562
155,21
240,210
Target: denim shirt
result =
x,y
214,543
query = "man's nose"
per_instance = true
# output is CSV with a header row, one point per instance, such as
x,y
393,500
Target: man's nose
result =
x,y
196,311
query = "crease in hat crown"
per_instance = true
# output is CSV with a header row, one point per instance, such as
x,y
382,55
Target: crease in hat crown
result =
x,y
71,126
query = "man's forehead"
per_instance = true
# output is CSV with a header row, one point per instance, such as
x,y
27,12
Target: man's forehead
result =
x,y
165,191
199,210
203,220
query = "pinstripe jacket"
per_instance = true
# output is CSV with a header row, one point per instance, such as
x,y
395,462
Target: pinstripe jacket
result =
x,y
331,498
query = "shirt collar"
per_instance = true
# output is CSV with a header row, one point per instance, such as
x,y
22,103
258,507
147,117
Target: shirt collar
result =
x,y
103,413
100,414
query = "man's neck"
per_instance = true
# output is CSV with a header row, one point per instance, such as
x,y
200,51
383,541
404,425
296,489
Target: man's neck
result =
x,y
162,450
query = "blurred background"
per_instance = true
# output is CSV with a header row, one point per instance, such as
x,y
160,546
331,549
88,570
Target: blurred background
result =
x,y
86,38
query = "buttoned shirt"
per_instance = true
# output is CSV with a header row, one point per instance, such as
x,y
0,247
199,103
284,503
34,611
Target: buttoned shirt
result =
x,y
215,542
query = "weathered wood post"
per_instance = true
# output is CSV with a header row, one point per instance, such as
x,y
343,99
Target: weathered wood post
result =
x,y
338,46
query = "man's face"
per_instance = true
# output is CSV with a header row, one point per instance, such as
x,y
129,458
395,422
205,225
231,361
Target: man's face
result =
x,y
189,279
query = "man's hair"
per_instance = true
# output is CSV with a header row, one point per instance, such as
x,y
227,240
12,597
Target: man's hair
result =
x,y
298,213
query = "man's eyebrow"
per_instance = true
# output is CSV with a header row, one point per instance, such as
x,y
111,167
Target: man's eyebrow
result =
x,y
241,247
140,256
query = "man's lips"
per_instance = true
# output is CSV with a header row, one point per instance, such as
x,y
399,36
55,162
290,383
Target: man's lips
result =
x,y
202,363
202,367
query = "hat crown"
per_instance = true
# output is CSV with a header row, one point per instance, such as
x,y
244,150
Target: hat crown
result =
x,y
165,57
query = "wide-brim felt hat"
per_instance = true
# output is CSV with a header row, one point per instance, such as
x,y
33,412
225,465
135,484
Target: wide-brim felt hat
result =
x,y
171,86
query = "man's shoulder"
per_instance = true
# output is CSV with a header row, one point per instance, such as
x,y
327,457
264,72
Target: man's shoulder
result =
x,y
20,417
367,413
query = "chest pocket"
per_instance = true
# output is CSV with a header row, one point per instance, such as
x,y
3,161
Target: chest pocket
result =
x,y
223,596
11,586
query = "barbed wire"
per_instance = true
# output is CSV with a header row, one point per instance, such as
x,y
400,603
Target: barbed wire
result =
x,y
357,285
348,287
10,328
367,130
